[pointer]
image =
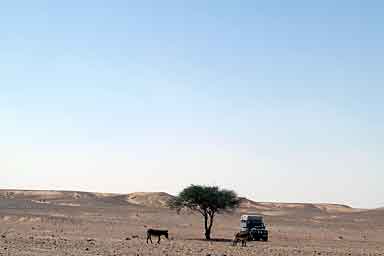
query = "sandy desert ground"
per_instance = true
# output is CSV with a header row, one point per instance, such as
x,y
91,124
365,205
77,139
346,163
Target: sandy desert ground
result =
x,y
80,223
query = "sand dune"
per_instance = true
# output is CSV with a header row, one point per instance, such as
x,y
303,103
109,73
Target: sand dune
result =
x,y
47,194
287,207
159,199
149,199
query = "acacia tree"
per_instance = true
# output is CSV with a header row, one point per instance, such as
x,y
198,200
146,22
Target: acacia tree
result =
x,y
206,200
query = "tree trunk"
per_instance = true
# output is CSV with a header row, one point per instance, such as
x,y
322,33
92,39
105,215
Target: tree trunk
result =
x,y
208,223
207,229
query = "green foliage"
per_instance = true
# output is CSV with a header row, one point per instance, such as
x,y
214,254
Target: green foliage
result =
x,y
207,200
202,198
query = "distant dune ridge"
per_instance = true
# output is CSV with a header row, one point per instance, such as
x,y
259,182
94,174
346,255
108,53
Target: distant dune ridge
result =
x,y
159,200
50,194
150,199
270,208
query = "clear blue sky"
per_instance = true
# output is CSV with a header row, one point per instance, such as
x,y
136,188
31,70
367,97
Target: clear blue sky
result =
x,y
279,100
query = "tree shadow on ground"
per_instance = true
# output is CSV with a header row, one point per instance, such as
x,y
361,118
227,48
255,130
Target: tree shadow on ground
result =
x,y
215,240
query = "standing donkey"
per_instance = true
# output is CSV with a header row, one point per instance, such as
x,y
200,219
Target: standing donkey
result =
x,y
242,236
156,232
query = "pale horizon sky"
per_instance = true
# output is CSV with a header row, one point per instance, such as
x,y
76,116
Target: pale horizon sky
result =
x,y
278,100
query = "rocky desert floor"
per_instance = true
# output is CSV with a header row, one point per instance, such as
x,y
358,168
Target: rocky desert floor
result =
x,y
79,223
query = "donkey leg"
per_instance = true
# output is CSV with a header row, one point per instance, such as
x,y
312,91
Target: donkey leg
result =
x,y
158,241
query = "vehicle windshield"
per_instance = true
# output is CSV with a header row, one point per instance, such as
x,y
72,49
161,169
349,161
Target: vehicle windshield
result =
x,y
255,224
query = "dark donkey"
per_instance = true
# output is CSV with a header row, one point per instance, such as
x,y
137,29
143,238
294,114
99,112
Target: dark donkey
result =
x,y
242,236
156,232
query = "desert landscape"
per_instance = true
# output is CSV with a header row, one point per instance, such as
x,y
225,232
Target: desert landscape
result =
x,y
225,128
83,223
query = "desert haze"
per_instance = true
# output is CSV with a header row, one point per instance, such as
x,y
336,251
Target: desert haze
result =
x,y
84,223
